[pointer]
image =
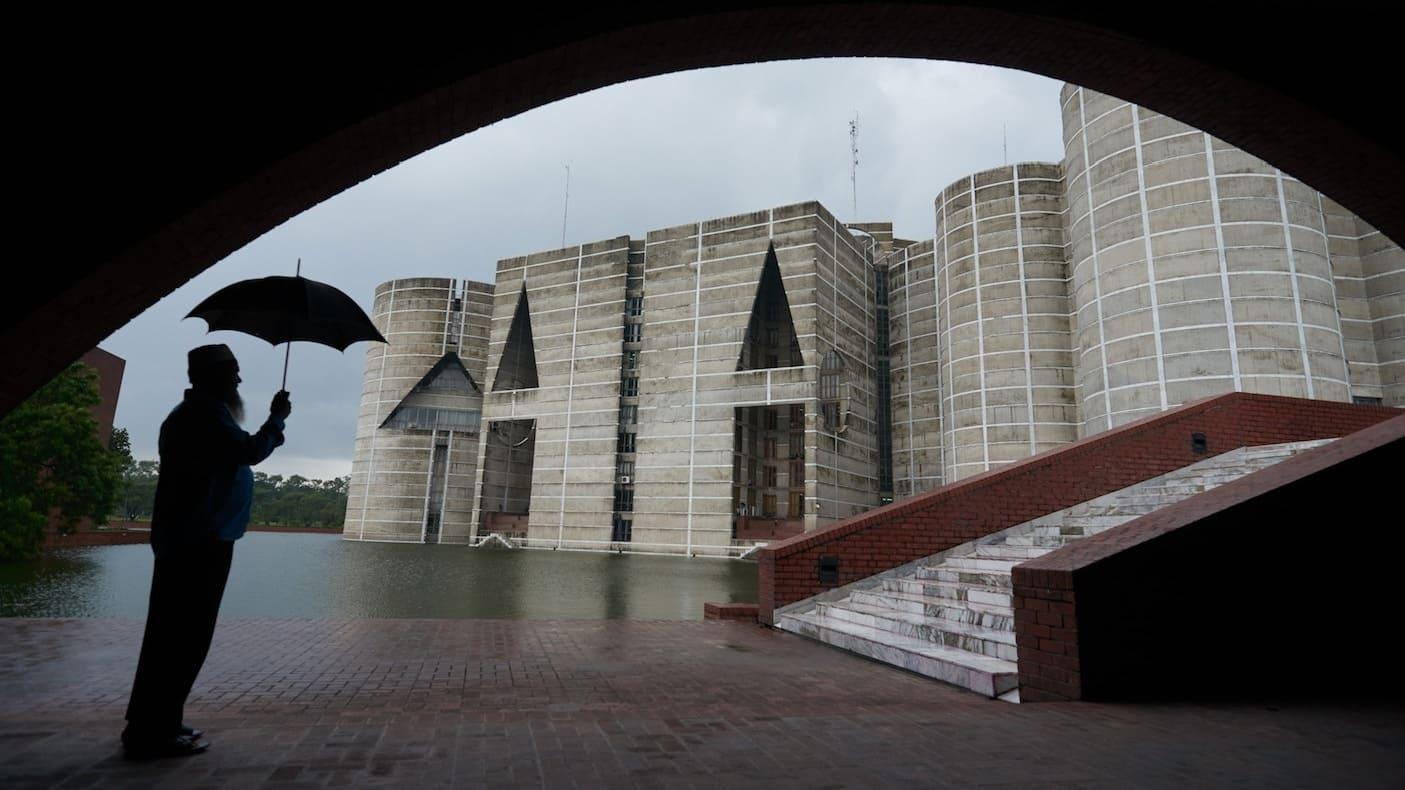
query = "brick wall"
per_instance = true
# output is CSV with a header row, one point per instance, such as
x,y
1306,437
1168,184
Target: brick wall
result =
x,y
1275,584
917,527
109,368
115,537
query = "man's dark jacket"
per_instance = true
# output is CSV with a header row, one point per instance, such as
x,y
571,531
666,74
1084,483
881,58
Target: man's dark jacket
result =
x,y
202,448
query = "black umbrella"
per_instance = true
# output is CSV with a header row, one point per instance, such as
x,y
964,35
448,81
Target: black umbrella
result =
x,y
284,309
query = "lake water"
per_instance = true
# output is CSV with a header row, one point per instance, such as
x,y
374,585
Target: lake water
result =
x,y
322,576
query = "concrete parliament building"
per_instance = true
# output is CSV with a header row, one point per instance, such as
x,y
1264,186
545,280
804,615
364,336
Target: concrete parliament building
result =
x,y
743,379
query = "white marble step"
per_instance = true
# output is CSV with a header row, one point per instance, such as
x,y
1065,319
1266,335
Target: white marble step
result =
x,y
1050,529
1085,523
1291,448
981,674
1130,511
1132,506
973,562
961,611
1145,501
1047,542
993,642
975,576
954,591
1018,552
1179,490
1060,531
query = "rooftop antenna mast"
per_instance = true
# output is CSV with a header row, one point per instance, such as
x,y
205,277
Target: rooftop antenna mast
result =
x,y
566,207
854,166
1004,144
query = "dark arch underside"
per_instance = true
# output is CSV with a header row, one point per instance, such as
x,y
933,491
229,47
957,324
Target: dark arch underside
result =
x,y
144,158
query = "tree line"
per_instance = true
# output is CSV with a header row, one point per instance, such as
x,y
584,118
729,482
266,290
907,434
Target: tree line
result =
x,y
294,501
52,464
54,467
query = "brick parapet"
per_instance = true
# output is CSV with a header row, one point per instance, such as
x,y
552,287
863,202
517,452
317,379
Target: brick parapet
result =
x,y
1048,590
745,612
923,525
96,538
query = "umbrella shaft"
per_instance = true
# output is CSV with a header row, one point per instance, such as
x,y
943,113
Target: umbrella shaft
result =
x,y
289,350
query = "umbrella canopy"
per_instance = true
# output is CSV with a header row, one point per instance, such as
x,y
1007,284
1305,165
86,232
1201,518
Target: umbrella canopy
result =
x,y
284,309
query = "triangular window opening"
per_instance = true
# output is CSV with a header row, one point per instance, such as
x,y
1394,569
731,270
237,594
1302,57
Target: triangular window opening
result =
x,y
446,398
517,369
770,340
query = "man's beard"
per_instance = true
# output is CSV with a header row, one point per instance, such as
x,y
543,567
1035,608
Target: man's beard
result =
x,y
235,404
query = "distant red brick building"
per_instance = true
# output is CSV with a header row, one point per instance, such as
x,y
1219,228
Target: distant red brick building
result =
x,y
109,368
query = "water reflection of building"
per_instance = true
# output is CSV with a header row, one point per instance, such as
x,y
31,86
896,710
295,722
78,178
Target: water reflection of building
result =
x,y
747,378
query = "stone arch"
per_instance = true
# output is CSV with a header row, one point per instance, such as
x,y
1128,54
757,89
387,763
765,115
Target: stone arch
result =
x,y
212,150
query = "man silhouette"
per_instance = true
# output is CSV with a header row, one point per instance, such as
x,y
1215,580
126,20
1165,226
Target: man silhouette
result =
x,y
202,506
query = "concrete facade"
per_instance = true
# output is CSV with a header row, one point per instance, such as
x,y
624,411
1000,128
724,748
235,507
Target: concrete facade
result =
x,y
736,380
701,461
575,303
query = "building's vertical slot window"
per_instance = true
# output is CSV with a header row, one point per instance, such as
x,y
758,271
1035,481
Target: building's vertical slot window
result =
x,y
624,499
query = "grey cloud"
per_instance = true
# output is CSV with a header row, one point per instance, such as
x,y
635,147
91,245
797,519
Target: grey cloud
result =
x,y
644,154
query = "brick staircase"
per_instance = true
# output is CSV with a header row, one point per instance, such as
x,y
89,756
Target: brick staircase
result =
x,y
950,617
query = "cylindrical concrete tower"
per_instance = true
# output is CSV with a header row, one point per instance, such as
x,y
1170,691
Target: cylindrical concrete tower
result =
x,y
1197,269
416,451
1369,270
1003,318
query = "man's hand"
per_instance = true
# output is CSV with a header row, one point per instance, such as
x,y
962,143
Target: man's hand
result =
x,y
281,406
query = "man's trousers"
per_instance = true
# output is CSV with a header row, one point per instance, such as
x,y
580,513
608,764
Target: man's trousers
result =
x,y
187,586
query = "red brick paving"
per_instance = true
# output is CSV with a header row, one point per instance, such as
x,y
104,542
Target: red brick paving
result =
x,y
712,704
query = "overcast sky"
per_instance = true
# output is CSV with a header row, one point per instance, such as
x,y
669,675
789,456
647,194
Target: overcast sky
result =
x,y
643,155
